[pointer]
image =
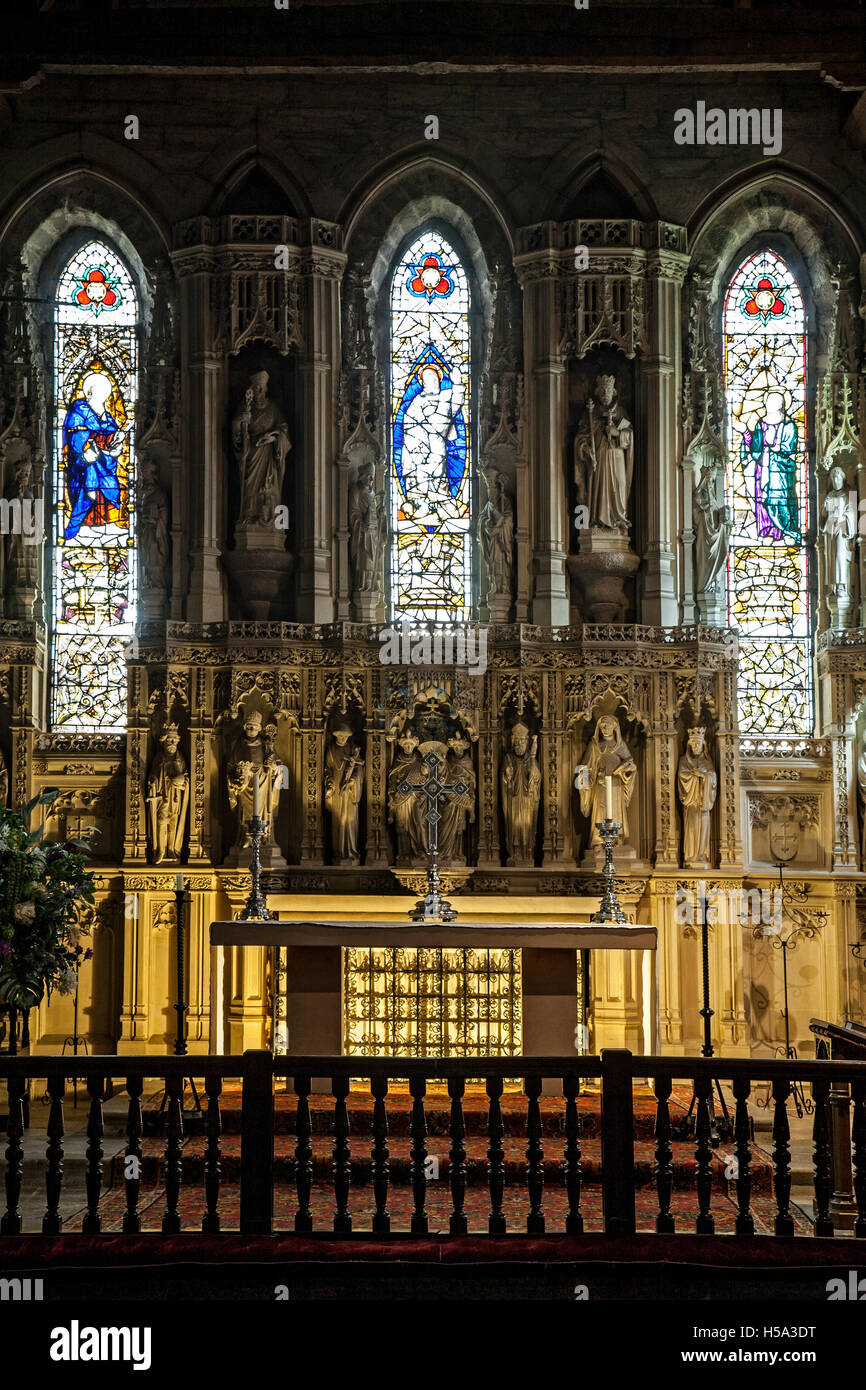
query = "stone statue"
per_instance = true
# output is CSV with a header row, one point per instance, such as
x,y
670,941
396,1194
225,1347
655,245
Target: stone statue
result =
x,y
712,527
167,797
21,549
369,533
861,783
455,808
607,755
153,528
261,442
697,784
404,808
604,458
344,786
520,781
253,759
496,529
837,530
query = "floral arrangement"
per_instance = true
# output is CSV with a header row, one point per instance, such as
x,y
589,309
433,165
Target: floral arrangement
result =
x,y
42,890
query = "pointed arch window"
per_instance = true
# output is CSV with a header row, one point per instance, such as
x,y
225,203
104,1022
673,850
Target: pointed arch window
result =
x,y
768,495
93,526
431,440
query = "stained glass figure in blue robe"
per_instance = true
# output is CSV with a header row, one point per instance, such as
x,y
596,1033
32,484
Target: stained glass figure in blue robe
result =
x,y
773,447
93,440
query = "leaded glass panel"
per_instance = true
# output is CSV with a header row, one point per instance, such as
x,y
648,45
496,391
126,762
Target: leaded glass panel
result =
x,y
430,486
767,493
94,580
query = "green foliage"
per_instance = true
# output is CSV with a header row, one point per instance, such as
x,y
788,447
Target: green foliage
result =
x,y
42,890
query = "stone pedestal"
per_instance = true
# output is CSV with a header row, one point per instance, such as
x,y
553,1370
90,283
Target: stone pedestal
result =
x,y
366,608
601,569
260,570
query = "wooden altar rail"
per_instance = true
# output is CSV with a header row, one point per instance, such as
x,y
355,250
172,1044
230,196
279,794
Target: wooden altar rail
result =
x,y
258,1071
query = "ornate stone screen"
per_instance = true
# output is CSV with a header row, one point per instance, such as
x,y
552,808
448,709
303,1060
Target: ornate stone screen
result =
x,y
413,1002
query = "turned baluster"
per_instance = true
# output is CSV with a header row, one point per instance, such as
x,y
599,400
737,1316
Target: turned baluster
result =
x,y
173,1146
784,1224
210,1222
303,1155
52,1221
534,1157
705,1225
11,1222
342,1156
418,1155
745,1224
495,1158
91,1225
132,1158
457,1224
822,1159
662,1087
573,1175
381,1219
858,1141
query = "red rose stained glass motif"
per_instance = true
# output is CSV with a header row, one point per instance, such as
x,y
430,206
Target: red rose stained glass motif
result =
x,y
764,301
430,278
98,291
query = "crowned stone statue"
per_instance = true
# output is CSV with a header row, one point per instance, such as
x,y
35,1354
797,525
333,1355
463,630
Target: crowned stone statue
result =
x,y
167,797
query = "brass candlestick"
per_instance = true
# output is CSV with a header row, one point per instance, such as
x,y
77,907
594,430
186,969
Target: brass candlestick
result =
x,y
609,908
256,908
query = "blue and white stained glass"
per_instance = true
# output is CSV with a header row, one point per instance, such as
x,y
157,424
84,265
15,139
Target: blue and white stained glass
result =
x,y
430,491
93,561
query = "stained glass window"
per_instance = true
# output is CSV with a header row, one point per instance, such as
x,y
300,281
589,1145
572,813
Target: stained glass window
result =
x,y
94,588
431,503
767,493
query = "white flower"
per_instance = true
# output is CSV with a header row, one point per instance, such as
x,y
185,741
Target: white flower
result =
x,y
67,982
24,914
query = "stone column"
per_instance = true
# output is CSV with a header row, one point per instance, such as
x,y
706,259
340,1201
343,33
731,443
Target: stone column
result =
x,y
203,369
321,267
489,855
728,740
546,404
659,373
663,742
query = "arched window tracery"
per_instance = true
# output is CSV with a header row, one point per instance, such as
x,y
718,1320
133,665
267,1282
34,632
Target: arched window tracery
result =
x,y
768,567
431,495
93,569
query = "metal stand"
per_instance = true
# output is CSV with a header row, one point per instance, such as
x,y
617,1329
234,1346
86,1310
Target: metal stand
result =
x,y
73,1042
256,908
433,907
725,1128
802,1103
180,1048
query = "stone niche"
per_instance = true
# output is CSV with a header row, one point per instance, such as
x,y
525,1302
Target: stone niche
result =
x,y
602,562
260,558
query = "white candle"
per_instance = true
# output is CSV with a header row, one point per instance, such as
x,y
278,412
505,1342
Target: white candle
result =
x,y
257,794
178,883
608,797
